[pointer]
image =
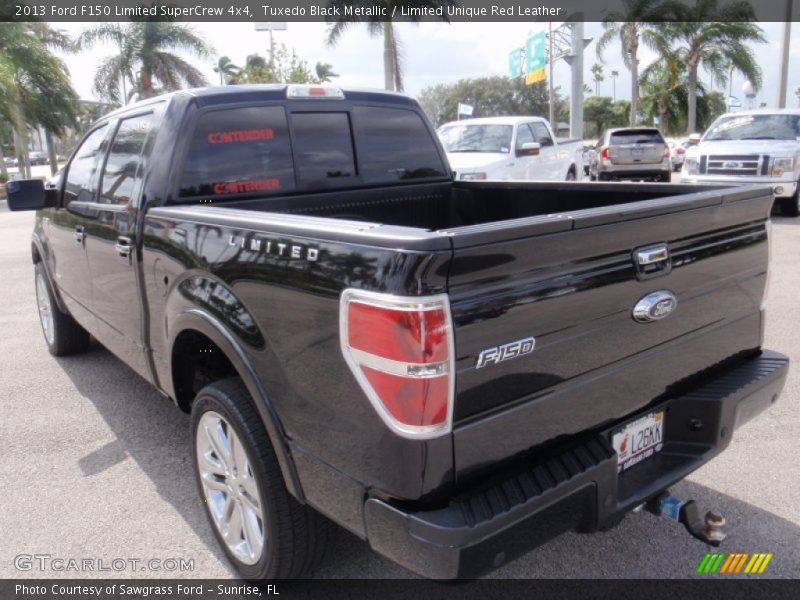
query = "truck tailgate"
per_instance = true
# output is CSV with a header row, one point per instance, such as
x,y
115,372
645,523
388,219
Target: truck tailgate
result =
x,y
571,282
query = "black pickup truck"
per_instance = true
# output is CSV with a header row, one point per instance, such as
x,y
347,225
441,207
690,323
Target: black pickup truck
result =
x,y
453,371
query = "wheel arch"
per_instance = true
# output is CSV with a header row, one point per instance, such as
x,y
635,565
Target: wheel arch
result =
x,y
198,328
37,257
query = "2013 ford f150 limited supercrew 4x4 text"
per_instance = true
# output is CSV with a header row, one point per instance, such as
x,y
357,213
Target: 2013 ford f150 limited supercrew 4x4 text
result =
x,y
455,371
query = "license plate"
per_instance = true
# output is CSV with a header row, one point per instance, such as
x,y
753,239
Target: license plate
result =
x,y
637,152
638,440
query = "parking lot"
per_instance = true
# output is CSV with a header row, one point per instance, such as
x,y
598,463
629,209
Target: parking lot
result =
x,y
97,465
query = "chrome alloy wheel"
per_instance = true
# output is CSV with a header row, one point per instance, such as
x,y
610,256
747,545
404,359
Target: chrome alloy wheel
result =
x,y
230,488
45,309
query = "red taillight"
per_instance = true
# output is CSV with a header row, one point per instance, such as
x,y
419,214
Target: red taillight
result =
x,y
401,353
604,153
666,151
680,151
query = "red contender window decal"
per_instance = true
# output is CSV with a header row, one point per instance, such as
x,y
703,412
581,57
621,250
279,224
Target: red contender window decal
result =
x,y
241,187
241,135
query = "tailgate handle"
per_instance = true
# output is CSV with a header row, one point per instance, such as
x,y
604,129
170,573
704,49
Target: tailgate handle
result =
x,y
652,261
649,256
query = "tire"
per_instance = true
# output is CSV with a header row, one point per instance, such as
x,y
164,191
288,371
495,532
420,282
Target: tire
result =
x,y
790,207
62,334
665,177
571,175
293,537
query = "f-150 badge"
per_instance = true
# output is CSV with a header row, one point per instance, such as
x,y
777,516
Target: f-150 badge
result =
x,y
505,352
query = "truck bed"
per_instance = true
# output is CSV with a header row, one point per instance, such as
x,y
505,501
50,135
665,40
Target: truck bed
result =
x,y
553,262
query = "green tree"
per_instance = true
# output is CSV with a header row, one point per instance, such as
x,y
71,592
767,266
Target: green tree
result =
x,y
35,89
633,26
716,37
285,67
392,49
663,83
491,97
146,57
597,77
226,69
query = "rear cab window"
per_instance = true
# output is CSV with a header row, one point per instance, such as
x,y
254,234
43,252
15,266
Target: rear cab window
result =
x,y
258,151
235,151
636,136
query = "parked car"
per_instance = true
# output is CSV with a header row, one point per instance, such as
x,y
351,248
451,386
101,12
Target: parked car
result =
x,y
754,146
38,158
454,371
588,156
10,161
638,153
677,152
510,148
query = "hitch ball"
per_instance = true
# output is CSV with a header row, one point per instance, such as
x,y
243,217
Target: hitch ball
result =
x,y
714,524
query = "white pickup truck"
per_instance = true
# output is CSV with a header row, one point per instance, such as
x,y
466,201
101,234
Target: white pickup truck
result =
x,y
753,146
510,148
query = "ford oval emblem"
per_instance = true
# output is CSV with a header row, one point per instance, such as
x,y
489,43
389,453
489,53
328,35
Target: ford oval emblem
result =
x,y
655,306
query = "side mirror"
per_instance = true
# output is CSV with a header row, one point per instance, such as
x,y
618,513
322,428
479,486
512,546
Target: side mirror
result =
x,y
529,149
29,194
694,139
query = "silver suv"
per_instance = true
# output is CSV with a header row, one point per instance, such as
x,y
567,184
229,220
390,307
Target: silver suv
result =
x,y
631,153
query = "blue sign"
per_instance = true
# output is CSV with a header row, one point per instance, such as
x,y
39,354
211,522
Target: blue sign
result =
x,y
536,52
515,63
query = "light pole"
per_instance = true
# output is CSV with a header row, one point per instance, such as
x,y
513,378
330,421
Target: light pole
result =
x,y
270,27
785,38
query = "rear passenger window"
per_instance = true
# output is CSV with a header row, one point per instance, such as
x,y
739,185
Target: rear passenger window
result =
x,y
239,151
394,145
119,175
542,134
81,183
323,147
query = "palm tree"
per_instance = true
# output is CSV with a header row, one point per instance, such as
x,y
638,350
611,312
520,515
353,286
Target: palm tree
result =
x,y
718,38
664,85
614,75
324,72
146,48
597,76
226,70
632,26
34,85
392,54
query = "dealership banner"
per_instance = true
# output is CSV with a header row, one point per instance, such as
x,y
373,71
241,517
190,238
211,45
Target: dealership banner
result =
x,y
366,10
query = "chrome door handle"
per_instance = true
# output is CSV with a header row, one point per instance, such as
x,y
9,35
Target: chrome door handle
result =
x,y
123,246
78,234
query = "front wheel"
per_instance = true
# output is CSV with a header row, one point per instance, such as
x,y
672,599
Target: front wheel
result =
x,y
62,334
263,530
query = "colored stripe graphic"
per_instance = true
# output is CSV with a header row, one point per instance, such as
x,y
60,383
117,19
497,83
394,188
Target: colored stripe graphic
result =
x,y
723,563
728,563
764,564
741,562
702,567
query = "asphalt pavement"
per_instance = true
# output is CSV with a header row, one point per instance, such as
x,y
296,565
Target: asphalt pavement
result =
x,y
96,466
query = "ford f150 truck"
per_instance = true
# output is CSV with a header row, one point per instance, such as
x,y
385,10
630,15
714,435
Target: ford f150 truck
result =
x,y
510,148
754,146
454,371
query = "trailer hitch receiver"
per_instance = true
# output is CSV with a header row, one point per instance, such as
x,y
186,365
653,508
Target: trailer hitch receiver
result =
x,y
707,529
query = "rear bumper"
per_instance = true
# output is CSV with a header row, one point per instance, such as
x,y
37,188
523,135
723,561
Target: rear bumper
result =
x,y
633,171
574,486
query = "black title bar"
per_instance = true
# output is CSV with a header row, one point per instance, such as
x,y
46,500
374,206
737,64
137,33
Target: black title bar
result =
x,y
365,10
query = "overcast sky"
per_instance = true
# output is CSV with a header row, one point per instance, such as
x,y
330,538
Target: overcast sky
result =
x,y
434,53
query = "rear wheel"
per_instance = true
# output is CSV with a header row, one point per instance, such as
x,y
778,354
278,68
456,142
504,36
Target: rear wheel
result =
x,y
571,175
263,530
62,334
665,177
